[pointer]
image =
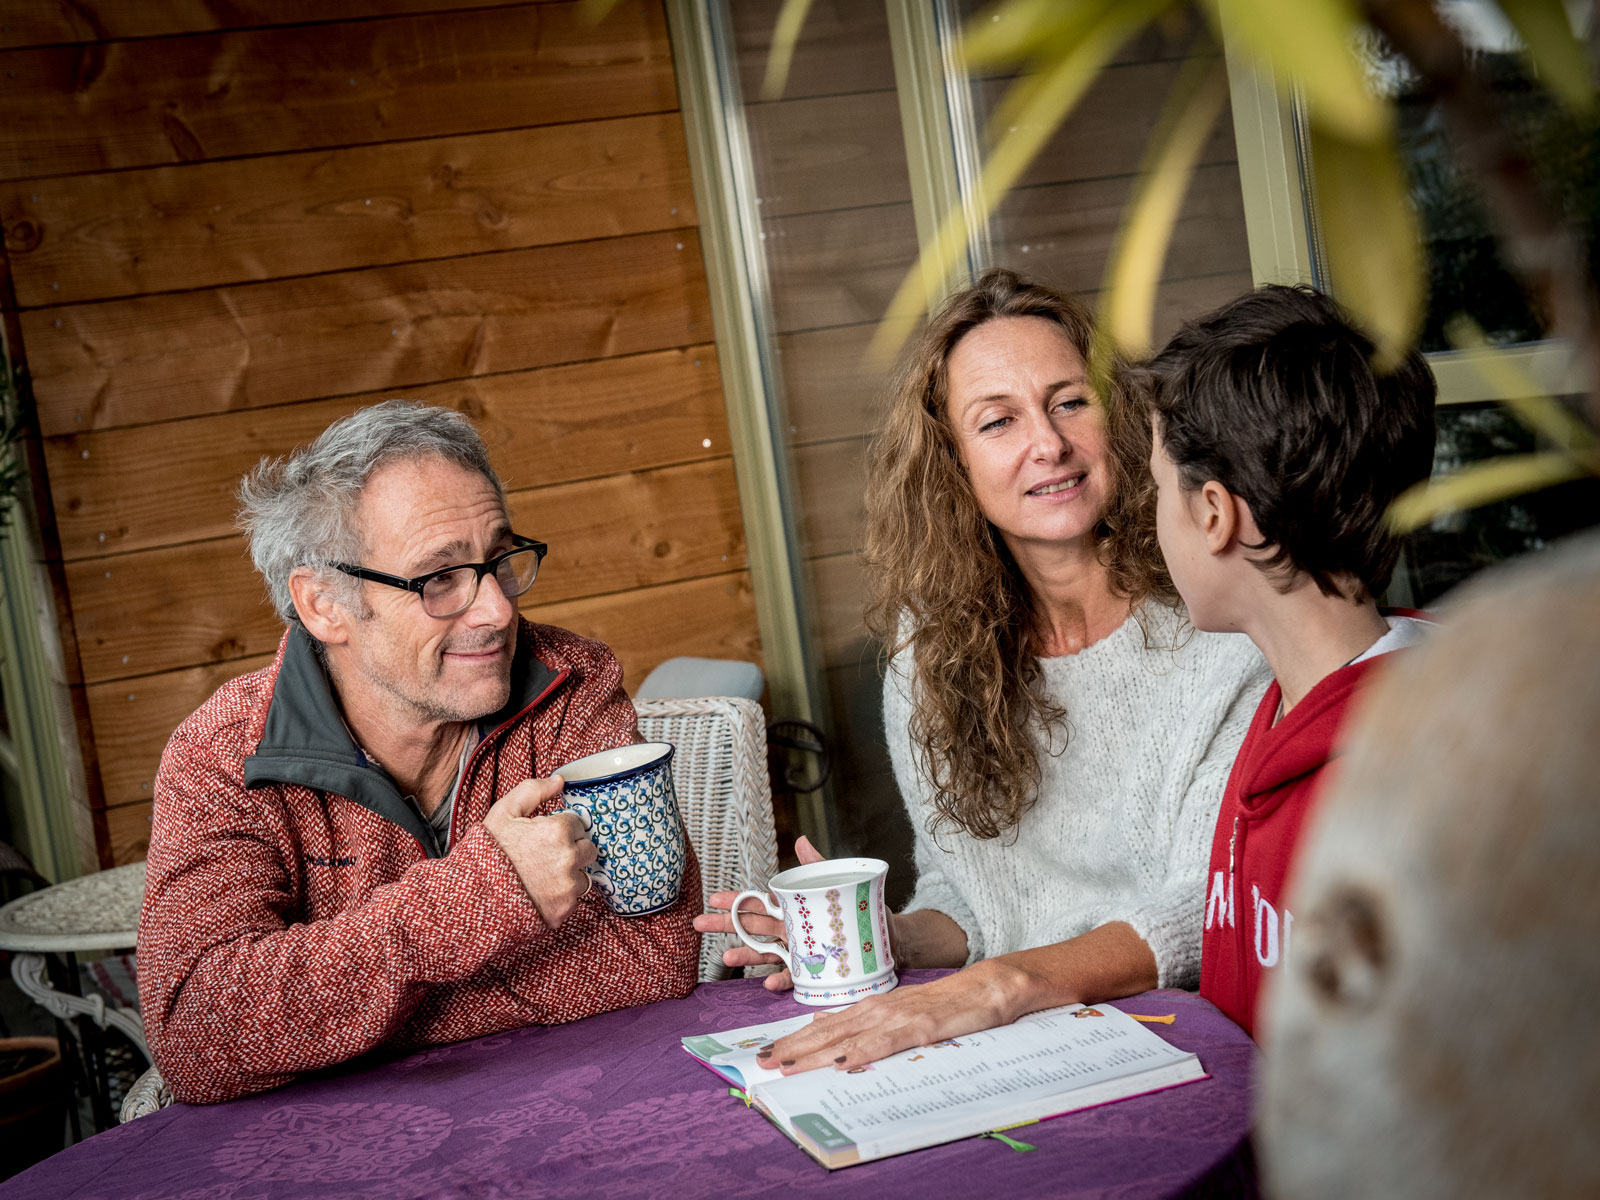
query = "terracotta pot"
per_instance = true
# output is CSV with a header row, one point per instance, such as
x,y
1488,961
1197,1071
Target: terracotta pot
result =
x,y
32,1102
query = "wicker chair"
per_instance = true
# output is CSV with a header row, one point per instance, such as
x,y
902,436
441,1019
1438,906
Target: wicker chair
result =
x,y
148,1094
720,775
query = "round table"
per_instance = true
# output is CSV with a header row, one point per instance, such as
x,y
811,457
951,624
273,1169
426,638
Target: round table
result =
x,y
612,1106
92,912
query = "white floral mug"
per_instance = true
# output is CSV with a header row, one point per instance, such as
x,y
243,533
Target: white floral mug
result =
x,y
836,929
626,801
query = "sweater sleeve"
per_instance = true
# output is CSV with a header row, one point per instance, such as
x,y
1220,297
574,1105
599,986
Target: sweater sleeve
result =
x,y
240,996
935,889
1171,917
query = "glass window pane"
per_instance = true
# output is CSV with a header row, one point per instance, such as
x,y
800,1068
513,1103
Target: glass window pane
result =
x,y
1456,546
1466,273
837,232
1061,220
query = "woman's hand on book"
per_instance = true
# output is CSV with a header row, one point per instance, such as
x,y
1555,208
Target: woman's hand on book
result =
x,y
980,997
756,922
1107,962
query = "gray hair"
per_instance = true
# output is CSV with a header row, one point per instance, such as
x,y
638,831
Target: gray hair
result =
x,y
299,510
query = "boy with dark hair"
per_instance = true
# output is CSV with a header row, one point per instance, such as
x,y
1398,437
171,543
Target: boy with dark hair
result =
x,y
1277,450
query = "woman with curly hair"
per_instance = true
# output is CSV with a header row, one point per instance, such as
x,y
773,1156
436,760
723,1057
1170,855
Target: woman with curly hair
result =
x,y
1060,736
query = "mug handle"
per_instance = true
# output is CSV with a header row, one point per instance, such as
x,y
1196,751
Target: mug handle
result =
x,y
595,874
772,947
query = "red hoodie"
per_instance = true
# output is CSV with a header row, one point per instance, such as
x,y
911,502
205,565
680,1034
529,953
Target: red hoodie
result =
x,y
1276,780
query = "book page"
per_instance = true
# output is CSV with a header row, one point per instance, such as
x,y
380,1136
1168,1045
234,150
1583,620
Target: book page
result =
x,y
1046,1063
733,1054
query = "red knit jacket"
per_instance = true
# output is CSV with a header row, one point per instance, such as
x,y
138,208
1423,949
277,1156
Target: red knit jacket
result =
x,y
299,911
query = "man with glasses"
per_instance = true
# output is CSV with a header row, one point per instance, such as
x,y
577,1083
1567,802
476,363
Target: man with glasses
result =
x,y
362,845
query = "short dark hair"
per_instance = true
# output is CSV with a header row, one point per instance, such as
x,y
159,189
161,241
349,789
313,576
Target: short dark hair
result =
x,y
1275,396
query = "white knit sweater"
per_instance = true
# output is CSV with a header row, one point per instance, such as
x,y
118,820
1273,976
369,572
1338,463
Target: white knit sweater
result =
x,y
1122,827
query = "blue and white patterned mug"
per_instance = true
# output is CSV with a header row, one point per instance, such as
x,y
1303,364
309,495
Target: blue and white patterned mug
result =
x,y
626,800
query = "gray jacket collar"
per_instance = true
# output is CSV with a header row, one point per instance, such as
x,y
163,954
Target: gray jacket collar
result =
x,y
305,742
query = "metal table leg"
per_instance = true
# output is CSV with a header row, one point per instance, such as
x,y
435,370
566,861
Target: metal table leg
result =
x,y
91,1053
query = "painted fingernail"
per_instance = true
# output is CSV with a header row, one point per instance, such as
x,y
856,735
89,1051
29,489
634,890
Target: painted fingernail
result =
x,y
764,1052
787,1062
841,1058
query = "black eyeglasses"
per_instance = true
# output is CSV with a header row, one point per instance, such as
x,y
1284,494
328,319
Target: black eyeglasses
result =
x,y
452,590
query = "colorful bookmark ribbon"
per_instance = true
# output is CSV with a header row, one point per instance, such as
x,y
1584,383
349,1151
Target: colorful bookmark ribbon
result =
x,y
1019,1147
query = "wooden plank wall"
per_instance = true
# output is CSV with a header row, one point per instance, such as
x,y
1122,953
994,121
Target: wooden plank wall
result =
x,y
227,225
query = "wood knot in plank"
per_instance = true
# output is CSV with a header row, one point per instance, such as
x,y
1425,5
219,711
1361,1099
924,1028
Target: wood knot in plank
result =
x,y
90,66
23,236
185,145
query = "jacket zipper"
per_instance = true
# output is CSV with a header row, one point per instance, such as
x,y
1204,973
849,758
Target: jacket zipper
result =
x,y
489,739
1243,927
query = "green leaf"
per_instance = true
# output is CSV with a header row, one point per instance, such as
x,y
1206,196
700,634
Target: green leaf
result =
x,y
1019,1147
1055,32
1051,97
1557,54
1009,32
785,36
1480,484
592,12
1134,272
1517,390
1012,105
1311,43
1363,205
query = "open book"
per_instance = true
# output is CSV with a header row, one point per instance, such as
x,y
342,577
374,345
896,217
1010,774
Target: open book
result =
x,y
1046,1064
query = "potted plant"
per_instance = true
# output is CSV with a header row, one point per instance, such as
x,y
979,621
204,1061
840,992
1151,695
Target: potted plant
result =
x,y
31,1102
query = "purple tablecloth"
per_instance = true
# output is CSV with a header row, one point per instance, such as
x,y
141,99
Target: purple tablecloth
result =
x,y
613,1107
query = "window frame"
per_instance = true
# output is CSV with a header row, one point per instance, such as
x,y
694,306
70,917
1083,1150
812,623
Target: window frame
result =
x,y
1281,225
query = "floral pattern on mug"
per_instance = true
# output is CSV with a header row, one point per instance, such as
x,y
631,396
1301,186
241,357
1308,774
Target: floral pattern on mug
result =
x,y
836,923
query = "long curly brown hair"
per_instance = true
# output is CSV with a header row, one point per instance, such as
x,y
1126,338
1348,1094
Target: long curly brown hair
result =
x,y
942,581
